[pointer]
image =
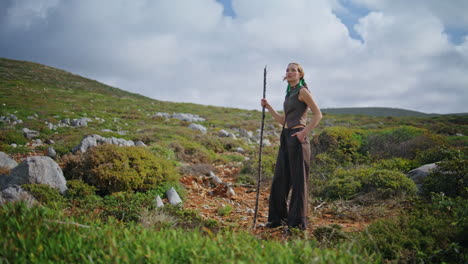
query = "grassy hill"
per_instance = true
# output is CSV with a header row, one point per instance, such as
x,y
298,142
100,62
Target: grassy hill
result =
x,y
355,152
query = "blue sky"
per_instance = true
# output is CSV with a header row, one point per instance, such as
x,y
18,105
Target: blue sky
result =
x,y
356,53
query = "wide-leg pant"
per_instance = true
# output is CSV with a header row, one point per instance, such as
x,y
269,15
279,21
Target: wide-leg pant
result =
x,y
291,172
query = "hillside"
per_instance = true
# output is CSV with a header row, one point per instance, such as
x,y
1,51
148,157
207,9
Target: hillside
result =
x,y
358,183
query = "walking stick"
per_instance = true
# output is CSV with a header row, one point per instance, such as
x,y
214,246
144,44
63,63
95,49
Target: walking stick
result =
x,y
260,152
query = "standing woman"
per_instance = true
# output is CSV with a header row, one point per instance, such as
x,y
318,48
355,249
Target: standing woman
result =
x,y
292,164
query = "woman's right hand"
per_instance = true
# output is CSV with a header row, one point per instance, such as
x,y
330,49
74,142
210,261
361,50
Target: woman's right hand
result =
x,y
264,103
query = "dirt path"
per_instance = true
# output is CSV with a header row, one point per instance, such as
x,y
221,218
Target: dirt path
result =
x,y
211,201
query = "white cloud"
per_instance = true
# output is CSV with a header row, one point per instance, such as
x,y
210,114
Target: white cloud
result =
x,y
187,51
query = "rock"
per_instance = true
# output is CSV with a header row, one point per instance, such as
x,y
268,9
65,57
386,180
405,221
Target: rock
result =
x,y
419,174
94,140
81,122
37,170
240,150
223,133
159,202
164,115
14,145
173,196
265,143
88,142
198,127
140,143
65,121
230,192
14,194
51,152
6,161
30,134
188,117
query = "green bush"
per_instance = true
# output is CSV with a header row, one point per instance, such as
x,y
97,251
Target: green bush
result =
x,y
191,151
45,194
77,189
432,233
395,164
329,235
339,143
347,183
402,142
112,168
269,156
441,153
450,177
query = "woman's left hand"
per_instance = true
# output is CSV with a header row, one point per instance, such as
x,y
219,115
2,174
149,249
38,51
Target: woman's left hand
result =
x,y
301,135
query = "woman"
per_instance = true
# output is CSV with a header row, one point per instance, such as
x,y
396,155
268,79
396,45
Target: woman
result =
x,y
292,164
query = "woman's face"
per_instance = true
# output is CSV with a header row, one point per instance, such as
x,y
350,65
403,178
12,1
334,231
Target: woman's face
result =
x,y
292,73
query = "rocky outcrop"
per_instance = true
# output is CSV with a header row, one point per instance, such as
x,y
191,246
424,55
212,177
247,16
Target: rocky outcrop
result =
x,y
181,116
95,140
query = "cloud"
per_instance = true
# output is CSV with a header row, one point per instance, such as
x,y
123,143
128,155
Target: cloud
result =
x,y
187,51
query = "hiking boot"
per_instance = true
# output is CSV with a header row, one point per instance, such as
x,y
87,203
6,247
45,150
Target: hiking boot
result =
x,y
273,224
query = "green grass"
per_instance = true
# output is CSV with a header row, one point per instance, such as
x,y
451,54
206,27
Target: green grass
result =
x,y
40,235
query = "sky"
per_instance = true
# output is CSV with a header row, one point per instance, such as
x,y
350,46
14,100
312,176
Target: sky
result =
x,y
355,53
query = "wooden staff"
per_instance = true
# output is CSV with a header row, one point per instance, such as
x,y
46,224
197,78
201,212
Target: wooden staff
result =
x,y
260,152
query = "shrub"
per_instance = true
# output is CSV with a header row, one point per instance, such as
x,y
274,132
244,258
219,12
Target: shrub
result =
x,y
113,169
77,189
329,235
225,210
45,194
402,142
441,153
429,233
268,164
450,177
340,143
395,164
191,151
346,183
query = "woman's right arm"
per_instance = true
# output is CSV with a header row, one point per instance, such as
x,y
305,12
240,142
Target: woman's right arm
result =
x,y
279,118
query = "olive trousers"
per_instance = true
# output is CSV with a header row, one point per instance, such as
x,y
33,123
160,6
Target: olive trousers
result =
x,y
291,173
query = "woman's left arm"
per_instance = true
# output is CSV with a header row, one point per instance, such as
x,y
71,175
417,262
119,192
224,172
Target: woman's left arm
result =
x,y
306,97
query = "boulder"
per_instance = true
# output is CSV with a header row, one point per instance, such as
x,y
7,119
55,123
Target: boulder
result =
x,y
140,143
6,161
15,194
419,174
37,170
